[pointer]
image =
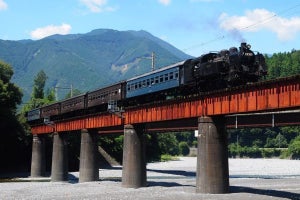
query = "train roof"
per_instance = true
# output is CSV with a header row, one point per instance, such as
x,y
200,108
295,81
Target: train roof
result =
x,y
157,71
107,86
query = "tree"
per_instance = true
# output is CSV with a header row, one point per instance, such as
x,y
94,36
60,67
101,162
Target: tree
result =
x,y
283,64
38,96
50,95
168,144
39,85
10,94
184,148
280,141
294,148
11,147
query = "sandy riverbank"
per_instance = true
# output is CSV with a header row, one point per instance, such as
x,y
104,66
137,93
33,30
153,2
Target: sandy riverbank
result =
x,y
249,179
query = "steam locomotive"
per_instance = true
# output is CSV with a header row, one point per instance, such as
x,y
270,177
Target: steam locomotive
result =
x,y
215,70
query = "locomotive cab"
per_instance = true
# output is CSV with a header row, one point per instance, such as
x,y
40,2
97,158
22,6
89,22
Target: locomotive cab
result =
x,y
247,58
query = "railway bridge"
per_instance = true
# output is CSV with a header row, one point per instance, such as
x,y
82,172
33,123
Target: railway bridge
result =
x,y
269,103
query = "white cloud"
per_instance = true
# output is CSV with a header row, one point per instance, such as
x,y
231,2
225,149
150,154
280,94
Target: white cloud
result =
x,y
42,32
165,2
97,5
262,19
3,5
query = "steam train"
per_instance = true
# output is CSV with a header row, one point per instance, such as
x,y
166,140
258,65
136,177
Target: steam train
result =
x,y
215,70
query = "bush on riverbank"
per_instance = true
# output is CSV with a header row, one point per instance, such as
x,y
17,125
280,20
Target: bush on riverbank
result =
x,y
235,150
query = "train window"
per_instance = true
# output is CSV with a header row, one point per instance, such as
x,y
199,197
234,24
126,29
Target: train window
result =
x,y
152,81
161,78
148,82
156,79
166,77
171,75
176,75
128,87
140,85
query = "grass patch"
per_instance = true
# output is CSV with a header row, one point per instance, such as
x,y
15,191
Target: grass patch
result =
x,y
167,157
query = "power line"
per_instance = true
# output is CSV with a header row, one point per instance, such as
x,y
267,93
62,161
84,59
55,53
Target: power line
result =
x,y
268,19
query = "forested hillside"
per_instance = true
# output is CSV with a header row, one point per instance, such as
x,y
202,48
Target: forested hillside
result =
x,y
283,64
86,61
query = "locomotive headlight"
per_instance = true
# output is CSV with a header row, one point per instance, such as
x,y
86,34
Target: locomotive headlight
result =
x,y
248,46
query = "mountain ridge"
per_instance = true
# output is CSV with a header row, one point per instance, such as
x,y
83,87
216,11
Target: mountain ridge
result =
x,y
86,61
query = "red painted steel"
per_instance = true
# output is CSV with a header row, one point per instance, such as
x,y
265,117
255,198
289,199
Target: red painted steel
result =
x,y
284,94
271,97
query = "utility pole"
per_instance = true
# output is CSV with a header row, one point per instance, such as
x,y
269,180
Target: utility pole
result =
x,y
153,61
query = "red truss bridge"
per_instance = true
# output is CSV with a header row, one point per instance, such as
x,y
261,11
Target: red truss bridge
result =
x,y
264,100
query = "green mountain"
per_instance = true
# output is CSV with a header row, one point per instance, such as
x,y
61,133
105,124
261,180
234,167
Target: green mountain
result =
x,y
86,61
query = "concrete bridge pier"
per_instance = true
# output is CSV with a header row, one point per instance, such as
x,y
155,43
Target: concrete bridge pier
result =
x,y
212,158
134,162
88,167
38,160
59,169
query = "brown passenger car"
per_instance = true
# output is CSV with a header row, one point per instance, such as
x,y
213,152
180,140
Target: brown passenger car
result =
x,y
114,92
72,104
50,110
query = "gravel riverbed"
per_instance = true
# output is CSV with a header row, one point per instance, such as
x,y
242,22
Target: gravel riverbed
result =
x,y
174,180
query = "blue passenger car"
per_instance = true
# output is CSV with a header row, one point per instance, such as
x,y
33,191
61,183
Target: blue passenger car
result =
x,y
155,81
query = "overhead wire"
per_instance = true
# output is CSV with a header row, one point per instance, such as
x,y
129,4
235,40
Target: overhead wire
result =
x,y
266,20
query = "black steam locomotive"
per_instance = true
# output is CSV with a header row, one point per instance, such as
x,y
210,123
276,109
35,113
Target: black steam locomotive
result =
x,y
229,68
211,71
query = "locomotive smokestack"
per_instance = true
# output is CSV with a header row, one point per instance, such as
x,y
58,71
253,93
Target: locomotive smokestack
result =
x,y
244,47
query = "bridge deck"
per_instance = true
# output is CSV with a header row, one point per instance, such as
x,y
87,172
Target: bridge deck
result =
x,y
275,95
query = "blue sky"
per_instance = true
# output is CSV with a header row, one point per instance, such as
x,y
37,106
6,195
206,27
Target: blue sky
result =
x,y
193,26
